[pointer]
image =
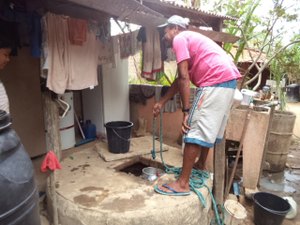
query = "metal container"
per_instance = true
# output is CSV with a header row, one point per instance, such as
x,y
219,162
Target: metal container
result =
x,y
151,173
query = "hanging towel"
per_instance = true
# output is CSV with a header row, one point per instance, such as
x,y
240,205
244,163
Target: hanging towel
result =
x,y
58,58
77,31
50,162
83,64
152,62
67,66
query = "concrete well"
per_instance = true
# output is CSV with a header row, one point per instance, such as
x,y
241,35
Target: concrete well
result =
x,y
91,191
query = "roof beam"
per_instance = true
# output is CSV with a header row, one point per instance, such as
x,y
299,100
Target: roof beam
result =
x,y
75,11
216,35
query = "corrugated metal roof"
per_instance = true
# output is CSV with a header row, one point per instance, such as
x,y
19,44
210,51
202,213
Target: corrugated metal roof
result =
x,y
204,12
197,16
125,10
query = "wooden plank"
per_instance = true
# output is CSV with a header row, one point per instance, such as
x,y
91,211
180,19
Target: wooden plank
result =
x,y
272,110
244,130
236,123
22,82
75,11
219,172
253,147
254,141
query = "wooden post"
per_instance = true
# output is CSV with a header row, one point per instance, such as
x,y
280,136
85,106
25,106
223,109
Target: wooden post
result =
x,y
219,171
267,139
238,154
53,143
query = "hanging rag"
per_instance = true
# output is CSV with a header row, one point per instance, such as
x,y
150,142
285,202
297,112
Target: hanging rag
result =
x,y
77,31
67,66
50,162
152,62
125,45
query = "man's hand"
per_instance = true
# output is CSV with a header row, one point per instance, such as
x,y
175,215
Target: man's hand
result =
x,y
185,128
156,108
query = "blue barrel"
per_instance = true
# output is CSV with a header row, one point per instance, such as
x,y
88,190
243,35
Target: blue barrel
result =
x,y
19,195
89,130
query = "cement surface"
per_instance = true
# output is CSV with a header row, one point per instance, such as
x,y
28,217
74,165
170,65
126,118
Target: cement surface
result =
x,y
91,191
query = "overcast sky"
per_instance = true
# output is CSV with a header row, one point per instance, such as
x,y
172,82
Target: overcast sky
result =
x,y
291,28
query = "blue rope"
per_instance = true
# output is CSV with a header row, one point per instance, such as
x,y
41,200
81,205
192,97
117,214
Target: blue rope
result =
x,y
197,179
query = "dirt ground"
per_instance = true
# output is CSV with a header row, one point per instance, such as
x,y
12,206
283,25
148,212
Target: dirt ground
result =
x,y
286,183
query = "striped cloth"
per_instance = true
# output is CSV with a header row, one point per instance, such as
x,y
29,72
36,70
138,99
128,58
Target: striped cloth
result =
x,y
4,103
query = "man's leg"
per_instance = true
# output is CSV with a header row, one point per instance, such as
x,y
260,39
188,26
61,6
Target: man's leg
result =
x,y
191,151
201,163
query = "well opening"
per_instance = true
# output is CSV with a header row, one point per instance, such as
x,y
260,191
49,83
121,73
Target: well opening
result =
x,y
137,164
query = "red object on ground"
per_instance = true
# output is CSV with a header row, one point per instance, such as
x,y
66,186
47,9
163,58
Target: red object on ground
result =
x,y
50,162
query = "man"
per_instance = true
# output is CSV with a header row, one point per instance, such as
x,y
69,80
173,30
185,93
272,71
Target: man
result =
x,y
5,51
204,63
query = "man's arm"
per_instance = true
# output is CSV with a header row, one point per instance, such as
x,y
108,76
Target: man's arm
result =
x,y
170,93
184,84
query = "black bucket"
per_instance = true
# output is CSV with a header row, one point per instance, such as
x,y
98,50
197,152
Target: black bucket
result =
x,y
269,209
118,136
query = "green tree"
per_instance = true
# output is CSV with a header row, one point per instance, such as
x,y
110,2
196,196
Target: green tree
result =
x,y
264,34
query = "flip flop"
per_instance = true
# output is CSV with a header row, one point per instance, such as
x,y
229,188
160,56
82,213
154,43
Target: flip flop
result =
x,y
172,193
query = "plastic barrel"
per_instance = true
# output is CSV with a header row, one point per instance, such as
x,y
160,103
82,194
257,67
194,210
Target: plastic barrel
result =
x,y
293,93
269,209
118,136
19,196
66,124
89,130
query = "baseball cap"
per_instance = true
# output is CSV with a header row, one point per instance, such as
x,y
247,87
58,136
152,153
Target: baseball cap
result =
x,y
177,20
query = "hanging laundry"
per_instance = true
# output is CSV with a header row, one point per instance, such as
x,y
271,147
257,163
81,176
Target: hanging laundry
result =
x,y
152,63
125,45
77,31
67,66
135,44
84,63
57,59
35,35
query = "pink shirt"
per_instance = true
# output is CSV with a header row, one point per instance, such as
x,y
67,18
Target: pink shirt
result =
x,y
208,62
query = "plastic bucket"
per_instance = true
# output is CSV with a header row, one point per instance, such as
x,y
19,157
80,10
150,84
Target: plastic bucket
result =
x,y
248,96
118,136
269,209
235,213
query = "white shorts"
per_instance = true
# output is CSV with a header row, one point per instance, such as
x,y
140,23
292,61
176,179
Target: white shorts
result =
x,y
209,114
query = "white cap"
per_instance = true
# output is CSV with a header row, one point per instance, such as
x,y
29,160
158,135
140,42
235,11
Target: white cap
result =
x,y
177,20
